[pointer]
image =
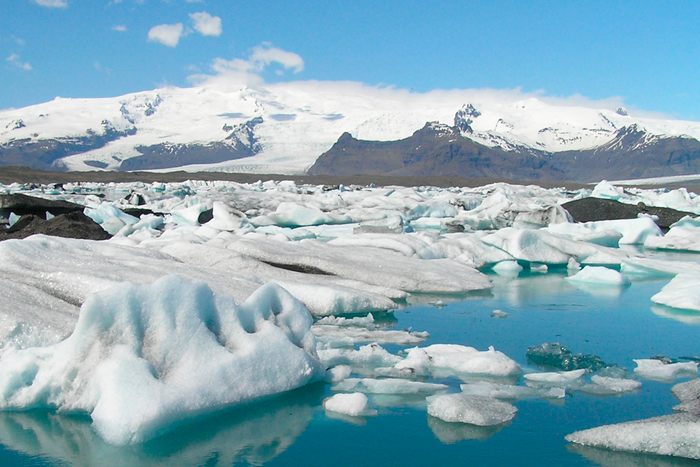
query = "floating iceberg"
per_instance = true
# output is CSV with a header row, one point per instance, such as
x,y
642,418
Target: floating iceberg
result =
x,y
459,359
354,404
471,409
144,358
658,370
599,275
683,292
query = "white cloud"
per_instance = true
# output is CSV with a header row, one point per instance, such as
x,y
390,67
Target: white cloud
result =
x,y
119,28
14,59
166,34
52,3
261,56
206,24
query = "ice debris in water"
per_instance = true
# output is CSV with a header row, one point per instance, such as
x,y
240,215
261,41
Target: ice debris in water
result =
x,y
510,392
556,356
658,370
471,409
555,378
499,314
144,358
354,404
387,386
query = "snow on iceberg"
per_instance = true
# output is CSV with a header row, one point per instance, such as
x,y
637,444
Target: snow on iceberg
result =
x,y
144,358
471,409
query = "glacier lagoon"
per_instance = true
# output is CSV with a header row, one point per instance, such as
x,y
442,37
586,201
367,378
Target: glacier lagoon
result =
x,y
507,268
618,324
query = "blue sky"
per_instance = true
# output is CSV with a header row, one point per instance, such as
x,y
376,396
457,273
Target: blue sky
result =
x,y
645,52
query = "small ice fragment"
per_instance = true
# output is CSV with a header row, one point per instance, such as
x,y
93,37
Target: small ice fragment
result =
x,y
688,394
12,220
618,385
338,373
499,314
507,268
466,408
354,404
659,371
555,378
387,386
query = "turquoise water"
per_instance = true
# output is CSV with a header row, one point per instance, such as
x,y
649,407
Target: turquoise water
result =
x,y
617,324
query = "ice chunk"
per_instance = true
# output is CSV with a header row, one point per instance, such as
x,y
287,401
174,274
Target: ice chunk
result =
x,y
616,385
144,358
354,404
683,292
226,217
474,410
677,238
499,314
511,392
600,276
670,435
462,360
610,233
338,373
387,386
291,214
364,329
368,357
507,268
555,378
658,370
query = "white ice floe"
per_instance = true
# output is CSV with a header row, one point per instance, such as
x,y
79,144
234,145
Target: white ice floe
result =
x,y
367,357
471,409
511,392
688,394
609,233
669,435
387,386
555,378
658,370
616,385
682,292
130,361
354,404
364,330
599,275
459,359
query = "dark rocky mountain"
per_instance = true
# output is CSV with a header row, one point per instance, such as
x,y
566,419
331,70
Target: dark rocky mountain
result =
x,y
438,150
45,153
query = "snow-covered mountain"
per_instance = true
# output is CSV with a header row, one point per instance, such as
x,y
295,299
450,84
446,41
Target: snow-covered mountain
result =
x,y
284,128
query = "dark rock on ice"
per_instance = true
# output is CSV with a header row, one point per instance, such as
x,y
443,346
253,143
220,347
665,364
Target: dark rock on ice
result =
x,y
556,356
598,209
23,205
70,225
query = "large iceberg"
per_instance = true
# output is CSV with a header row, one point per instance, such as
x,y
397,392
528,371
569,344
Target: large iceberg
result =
x,y
144,358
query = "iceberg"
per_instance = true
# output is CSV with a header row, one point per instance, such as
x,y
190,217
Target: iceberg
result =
x,y
144,358
459,359
599,275
471,409
658,370
682,292
354,405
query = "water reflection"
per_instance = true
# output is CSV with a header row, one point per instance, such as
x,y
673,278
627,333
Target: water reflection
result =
x,y
450,433
527,287
252,435
684,316
606,458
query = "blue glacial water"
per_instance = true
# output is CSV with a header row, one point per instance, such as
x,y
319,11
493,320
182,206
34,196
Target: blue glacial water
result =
x,y
617,324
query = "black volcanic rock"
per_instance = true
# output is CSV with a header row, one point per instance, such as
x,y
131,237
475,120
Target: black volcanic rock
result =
x,y
70,225
598,209
30,205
